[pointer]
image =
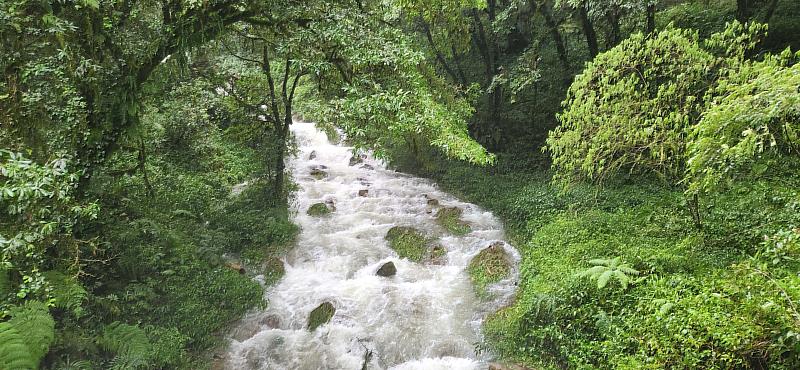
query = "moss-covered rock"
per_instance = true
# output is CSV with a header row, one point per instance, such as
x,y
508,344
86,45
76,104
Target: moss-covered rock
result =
x,y
318,174
450,219
318,209
321,315
408,242
488,267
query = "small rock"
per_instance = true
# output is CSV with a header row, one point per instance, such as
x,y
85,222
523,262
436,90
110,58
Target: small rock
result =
x,y
271,321
312,155
433,202
357,159
367,167
388,269
363,192
235,266
321,315
364,181
438,255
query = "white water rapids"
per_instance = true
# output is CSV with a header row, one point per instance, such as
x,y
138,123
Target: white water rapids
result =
x,y
425,317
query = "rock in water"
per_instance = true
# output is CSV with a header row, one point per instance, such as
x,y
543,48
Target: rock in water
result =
x,y
318,174
491,265
363,192
320,315
450,219
408,242
312,155
388,269
356,159
319,209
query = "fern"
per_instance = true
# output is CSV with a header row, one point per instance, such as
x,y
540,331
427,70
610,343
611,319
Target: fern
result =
x,y
129,343
606,269
67,293
26,337
14,354
69,364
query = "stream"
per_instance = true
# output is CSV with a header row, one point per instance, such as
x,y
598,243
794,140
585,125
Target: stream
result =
x,y
427,316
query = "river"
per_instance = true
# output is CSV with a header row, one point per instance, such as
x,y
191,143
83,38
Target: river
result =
x,y
427,316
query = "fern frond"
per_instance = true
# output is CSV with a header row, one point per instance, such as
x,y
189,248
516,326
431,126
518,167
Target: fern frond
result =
x,y
14,353
67,292
603,279
129,343
600,262
33,321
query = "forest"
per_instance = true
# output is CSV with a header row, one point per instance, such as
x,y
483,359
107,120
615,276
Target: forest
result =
x,y
642,156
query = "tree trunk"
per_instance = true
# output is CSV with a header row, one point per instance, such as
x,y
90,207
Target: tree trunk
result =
x,y
743,11
588,30
557,39
770,10
651,18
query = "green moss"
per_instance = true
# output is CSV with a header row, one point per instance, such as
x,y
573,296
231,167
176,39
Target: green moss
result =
x,y
408,242
488,267
320,315
318,209
450,219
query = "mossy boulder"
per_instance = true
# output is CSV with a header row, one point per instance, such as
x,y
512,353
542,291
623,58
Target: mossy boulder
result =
x,y
450,219
321,315
356,159
491,265
318,173
408,242
319,209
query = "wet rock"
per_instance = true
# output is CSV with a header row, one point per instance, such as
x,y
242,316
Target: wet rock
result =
x,y
363,192
433,202
320,315
489,266
387,270
364,181
318,173
312,155
408,242
367,167
357,159
450,219
271,321
319,209
235,266
437,255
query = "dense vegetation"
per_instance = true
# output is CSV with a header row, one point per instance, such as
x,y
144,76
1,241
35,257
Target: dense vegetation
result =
x,y
645,161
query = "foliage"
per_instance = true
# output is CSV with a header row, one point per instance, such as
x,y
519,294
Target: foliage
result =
x,y
318,209
630,109
605,269
26,336
750,126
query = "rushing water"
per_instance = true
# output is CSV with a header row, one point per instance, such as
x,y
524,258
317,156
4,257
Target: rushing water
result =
x,y
425,317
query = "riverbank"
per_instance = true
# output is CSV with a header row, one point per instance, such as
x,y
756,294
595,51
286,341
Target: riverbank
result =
x,y
618,277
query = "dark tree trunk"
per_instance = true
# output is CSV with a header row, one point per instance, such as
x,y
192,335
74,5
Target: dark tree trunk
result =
x,y
552,25
770,10
651,18
588,30
439,57
743,11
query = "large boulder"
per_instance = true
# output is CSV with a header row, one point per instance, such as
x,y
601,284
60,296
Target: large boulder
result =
x,y
321,315
489,266
408,242
450,219
387,270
